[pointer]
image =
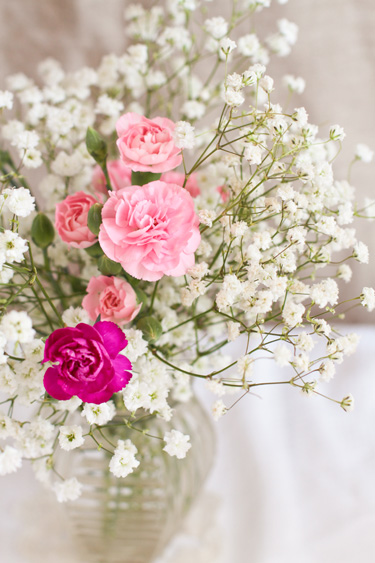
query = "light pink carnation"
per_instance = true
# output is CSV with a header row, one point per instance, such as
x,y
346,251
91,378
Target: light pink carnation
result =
x,y
151,230
119,174
146,145
112,298
179,178
71,220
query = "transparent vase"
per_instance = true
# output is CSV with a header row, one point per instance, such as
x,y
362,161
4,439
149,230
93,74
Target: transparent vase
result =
x,y
131,520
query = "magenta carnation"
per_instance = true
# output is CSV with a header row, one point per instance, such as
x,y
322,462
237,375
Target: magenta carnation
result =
x,y
88,362
151,230
147,145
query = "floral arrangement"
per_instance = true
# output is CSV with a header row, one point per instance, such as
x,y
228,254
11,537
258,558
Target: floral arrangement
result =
x,y
180,208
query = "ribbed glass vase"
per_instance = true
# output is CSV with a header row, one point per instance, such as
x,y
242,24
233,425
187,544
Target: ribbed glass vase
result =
x,y
131,520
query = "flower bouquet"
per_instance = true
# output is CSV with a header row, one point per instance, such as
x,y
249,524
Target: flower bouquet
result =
x,y
178,208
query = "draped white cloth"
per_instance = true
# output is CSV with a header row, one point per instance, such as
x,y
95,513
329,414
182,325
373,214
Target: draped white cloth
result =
x,y
293,482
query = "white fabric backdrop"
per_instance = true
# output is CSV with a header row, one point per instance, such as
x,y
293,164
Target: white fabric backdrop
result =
x,y
294,482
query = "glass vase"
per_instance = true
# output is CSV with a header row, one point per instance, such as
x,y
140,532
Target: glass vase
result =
x,y
131,520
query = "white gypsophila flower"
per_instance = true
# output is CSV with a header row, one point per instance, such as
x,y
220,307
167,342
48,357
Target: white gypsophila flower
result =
x,y
6,99
232,97
184,135
177,444
364,153
74,316
327,370
20,201
108,106
360,252
282,355
10,460
216,387
245,366
266,83
70,437
227,45
18,327
289,30
198,271
253,154
8,427
182,390
193,109
137,346
347,403
67,165
248,45
217,27
325,293
337,133
293,313
368,298
344,272
6,274
218,409
32,158
42,470
233,331
69,490
124,461
12,247
8,383
26,140
70,405
295,83
99,414
206,216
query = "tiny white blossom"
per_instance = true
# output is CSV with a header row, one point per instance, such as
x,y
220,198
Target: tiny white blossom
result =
x,y
10,460
218,409
74,316
124,461
364,153
361,252
233,331
282,355
6,99
217,27
20,201
177,444
206,216
253,154
17,326
327,370
295,84
70,437
183,135
99,414
368,298
68,490
227,45
337,133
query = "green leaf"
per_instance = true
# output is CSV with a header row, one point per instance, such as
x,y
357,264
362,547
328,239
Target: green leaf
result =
x,y
42,231
142,178
150,327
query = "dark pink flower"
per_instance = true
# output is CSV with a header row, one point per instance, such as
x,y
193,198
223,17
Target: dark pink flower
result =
x,y
147,145
88,362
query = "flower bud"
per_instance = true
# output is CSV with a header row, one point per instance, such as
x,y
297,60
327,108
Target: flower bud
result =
x,y
42,231
142,178
94,218
109,267
150,327
96,146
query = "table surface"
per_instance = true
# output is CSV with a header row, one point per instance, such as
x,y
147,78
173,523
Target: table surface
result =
x,y
293,482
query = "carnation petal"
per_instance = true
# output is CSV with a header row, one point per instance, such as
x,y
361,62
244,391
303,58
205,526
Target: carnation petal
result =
x,y
53,384
113,338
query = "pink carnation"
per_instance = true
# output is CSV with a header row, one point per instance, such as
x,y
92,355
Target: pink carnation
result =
x,y
112,298
87,362
179,178
71,220
119,174
151,230
147,145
